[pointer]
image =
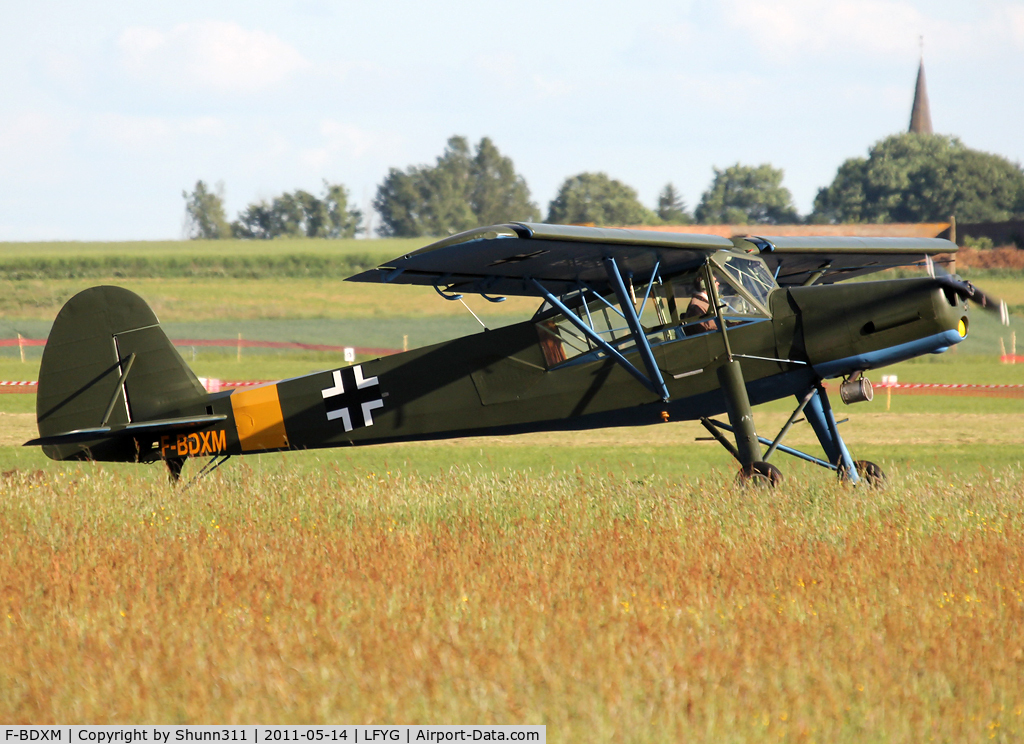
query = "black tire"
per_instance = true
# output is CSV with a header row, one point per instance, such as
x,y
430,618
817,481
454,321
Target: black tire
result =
x,y
869,473
760,474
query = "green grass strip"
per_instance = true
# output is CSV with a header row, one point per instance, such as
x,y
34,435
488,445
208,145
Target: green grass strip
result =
x,y
162,266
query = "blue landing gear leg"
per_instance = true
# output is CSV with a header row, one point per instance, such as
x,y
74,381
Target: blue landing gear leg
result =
x,y
823,421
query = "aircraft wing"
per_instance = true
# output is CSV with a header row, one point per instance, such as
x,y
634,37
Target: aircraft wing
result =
x,y
503,259
500,260
826,260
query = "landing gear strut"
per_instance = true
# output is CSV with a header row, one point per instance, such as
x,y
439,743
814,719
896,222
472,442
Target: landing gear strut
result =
x,y
753,468
815,405
823,421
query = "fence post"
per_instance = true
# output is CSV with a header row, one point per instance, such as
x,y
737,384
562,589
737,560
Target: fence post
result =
x,y
21,347
239,347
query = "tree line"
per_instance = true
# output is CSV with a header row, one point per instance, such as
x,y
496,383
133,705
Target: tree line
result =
x,y
905,178
296,215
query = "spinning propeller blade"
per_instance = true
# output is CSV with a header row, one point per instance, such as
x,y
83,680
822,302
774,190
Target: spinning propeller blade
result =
x,y
968,291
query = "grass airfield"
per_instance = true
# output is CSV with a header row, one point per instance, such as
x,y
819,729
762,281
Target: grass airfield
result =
x,y
614,585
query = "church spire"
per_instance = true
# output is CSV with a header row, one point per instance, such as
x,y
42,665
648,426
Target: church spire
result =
x,y
920,114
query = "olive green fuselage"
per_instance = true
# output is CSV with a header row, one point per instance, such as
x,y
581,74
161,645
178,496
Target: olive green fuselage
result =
x,y
499,381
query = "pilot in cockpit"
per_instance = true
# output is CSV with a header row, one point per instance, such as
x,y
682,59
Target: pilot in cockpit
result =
x,y
699,306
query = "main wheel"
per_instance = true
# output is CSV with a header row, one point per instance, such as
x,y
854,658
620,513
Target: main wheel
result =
x,y
868,471
760,474
871,473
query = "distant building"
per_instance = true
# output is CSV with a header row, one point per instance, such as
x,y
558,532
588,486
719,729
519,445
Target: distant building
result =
x,y
920,114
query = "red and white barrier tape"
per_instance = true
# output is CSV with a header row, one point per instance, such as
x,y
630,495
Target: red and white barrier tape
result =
x,y
239,343
942,386
214,385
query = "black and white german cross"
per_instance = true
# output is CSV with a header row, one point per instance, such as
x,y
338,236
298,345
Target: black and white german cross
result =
x,y
351,393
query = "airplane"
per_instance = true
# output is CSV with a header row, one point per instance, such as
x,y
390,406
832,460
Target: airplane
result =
x,y
634,327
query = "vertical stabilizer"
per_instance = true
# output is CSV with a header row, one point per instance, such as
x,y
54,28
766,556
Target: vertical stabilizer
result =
x,y
83,382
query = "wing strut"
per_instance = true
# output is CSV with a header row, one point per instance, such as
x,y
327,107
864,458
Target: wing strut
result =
x,y
656,386
642,345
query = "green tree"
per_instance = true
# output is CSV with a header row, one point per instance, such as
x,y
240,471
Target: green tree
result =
x,y
257,222
497,193
289,214
671,207
747,195
462,190
922,178
204,213
300,214
341,221
596,198
399,205
445,190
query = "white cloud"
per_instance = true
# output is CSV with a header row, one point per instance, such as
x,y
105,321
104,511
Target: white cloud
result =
x,y
214,55
34,144
719,91
498,67
1015,23
792,28
351,142
31,129
789,27
551,87
145,133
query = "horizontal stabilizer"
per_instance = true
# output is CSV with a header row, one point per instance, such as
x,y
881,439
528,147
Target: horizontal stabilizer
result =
x,y
177,425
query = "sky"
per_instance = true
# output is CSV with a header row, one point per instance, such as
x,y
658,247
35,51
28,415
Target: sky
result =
x,y
109,110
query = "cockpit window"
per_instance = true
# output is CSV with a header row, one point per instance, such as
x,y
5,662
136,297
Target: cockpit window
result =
x,y
735,302
668,311
751,275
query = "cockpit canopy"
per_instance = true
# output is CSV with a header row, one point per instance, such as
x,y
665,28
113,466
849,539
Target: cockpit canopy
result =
x,y
669,309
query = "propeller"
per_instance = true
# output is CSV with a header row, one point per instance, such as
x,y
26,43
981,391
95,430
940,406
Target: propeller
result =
x,y
967,291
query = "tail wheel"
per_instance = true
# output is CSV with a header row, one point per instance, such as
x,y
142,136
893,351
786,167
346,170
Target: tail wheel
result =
x,y
868,471
174,466
761,474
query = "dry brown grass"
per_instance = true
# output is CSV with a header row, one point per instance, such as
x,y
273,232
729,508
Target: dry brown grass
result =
x,y
605,608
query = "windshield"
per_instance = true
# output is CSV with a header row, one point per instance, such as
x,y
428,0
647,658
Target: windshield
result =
x,y
751,275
